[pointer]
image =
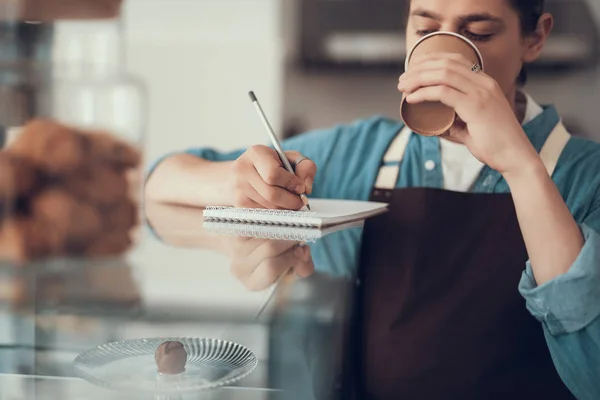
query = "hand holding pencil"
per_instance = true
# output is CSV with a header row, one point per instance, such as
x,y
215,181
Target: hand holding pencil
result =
x,y
265,177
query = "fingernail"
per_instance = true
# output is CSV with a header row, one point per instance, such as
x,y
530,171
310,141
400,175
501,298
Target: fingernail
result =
x,y
300,189
309,184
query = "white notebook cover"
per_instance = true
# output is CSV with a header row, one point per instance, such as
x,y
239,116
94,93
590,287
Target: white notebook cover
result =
x,y
324,212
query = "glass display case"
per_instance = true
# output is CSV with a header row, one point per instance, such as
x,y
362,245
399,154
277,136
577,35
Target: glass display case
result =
x,y
72,125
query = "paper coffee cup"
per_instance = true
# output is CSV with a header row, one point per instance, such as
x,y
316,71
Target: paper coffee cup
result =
x,y
434,118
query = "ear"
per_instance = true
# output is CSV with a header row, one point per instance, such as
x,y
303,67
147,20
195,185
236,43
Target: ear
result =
x,y
534,42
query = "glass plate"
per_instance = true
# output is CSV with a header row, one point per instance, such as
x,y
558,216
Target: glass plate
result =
x,y
129,365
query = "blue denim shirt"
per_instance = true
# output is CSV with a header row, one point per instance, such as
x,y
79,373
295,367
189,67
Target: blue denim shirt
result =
x,y
348,157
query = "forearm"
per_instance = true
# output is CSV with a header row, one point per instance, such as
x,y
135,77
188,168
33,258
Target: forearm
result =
x,y
189,180
552,237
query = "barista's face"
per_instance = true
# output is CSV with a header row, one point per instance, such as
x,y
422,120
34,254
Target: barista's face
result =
x,y
493,25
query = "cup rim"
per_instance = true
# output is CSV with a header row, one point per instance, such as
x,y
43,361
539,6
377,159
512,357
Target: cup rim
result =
x,y
470,43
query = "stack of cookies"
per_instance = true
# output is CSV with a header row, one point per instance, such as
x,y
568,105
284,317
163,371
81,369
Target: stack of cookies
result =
x,y
66,193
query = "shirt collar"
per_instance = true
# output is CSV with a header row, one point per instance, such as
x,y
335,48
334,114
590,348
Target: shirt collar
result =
x,y
540,127
532,109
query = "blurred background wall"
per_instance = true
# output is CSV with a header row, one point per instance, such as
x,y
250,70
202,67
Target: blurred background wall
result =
x,y
199,59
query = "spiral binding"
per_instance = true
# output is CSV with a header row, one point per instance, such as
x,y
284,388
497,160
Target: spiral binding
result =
x,y
259,216
261,231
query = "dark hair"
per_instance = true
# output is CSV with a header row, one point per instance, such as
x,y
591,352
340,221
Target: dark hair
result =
x,y
529,12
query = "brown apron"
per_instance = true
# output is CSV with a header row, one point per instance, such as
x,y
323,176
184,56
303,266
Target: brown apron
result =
x,y
439,308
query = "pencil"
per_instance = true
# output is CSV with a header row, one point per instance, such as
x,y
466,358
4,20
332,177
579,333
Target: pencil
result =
x,y
276,143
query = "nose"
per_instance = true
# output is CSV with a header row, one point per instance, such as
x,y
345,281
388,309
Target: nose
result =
x,y
449,26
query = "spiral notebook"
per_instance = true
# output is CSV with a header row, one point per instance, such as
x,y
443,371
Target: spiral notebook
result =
x,y
324,213
276,232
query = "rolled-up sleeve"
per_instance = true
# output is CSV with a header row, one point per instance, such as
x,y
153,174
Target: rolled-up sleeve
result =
x,y
571,301
347,156
569,310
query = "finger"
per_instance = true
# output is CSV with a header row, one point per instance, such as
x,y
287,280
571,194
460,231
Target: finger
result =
x,y
307,267
250,185
243,245
464,70
450,97
247,197
461,102
239,243
249,203
271,269
277,196
452,70
258,252
459,134
252,197
269,167
306,170
436,62
437,77
462,135
446,57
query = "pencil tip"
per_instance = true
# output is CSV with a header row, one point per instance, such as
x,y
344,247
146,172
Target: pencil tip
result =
x,y
252,96
308,206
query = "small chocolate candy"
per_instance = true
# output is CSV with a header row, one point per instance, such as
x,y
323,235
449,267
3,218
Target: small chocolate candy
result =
x,y
170,358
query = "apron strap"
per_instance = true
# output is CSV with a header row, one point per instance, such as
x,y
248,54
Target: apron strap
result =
x,y
388,174
554,146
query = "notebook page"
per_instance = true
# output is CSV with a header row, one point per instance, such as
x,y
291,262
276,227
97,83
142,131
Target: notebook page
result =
x,y
331,211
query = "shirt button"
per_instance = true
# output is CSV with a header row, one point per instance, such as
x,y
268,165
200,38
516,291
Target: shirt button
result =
x,y
429,165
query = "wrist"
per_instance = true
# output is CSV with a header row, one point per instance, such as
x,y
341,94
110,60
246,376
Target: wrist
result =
x,y
214,182
528,170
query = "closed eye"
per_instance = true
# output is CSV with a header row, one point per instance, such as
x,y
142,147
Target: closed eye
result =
x,y
425,32
469,35
477,38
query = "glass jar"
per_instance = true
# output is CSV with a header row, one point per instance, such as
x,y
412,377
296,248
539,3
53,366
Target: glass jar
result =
x,y
73,119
